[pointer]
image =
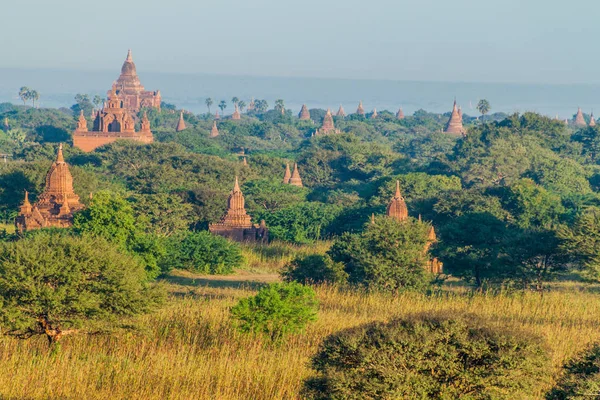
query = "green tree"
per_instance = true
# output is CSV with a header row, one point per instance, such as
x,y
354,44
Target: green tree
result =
x,y
241,105
268,195
580,378
222,106
314,269
209,102
54,284
483,106
261,106
33,96
24,94
97,101
582,241
302,222
235,100
277,310
279,106
429,356
161,214
388,255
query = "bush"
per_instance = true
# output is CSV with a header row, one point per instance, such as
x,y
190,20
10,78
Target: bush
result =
x,y
581,379
315,268
204,253
278,309
54,284
427,357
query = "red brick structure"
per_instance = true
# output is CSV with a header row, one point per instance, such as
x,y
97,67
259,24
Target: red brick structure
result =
x,y
434,265
181,123
328,125
287,175
579,120
360,110
236,224
341,112
214,132
304,113
130,90
454,125
55,205
236,113
397,207
400,114
592,120
295,179
374,114
113,122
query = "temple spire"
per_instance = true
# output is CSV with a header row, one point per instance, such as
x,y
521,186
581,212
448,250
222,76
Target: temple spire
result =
x,y
59,155
400,114
397,207
295,179
360,110
181,123
579,120
454,125
341,112
374,114
397,194
236,113
592,120
328,125
287,175
214,132
81,123
26,207
304,113
236,186
129,58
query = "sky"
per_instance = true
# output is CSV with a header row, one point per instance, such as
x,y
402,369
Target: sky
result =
x,y
521,41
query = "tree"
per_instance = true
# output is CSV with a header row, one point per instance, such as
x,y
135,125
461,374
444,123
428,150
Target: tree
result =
x,y
235,100
34,96
241,105
268,195
429,356
301,222
208,102
24,94
161,214
222,106
261,106
582,241
277,310
279,106
483,107
98,101
580,378
82,102
54,284
388,255
315,269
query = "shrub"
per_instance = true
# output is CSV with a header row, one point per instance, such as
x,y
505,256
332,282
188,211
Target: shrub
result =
x,y
278,309
427,357
204,253
54,284
315,268
581,378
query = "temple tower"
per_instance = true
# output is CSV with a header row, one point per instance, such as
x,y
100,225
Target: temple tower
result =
x,y
454,125
374,114
328,125
579,120
236,113
360,110
295,179
592,120
287,175
304,113
130,90
181,123
397,207
214,132
400,114
341,113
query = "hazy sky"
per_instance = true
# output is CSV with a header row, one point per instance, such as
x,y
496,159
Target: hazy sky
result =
x,y
546,41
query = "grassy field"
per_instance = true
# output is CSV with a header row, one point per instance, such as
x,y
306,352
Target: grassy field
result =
x,y
189,350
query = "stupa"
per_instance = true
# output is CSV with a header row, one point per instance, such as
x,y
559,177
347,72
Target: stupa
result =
x,y
360,110
295,179
236,113
400,114
592,120
214,132
397,207
328,125
579,120
287,175
454,125
130,90
304,113
341,113
180,123
55,205
374,114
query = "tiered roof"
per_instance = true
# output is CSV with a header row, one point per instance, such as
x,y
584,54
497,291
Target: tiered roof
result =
x,y
341,112
304,113
397,207
374,114
454,125
214,132
360,110
295,179
400,114
180,123
287,175
579,120
236,113
328,126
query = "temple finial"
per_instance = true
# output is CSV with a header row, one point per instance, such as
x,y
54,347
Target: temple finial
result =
x,y
129,58
398,194
236,186
59,156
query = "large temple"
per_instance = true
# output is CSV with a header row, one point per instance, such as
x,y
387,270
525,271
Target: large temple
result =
x,y
130,90
111,123
328,125
55,205
236,224
455,125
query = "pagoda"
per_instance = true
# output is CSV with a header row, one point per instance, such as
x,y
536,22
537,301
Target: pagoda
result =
x,y
236,113
251,106
341,112
131,92
592,120
579,120
214,132
113,122
454,125
374,114
295,179
55,205
304,113
400,114
236,224
287,175
328,125
181,123
397,208
360,110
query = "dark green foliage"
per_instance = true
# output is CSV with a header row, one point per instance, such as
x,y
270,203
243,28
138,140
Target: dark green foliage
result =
x,y
428,357
388,255
277,310
580,378
302,222
60,282
315,268
204,253
581,242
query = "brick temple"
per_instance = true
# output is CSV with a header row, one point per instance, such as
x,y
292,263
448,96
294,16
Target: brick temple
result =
x,y
55,205
304,114
579,120
328,126
111,123
455,125
130,91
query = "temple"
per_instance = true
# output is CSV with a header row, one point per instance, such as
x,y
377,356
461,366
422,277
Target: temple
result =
x,y
327,126
111,123
434,265
397,208
287,175
579,120
454,125
304,113
214,132
360,110
400,114
251,106
295,179
236,224
374,114
131,92
236,113
341,112
592,120
55,205
181,123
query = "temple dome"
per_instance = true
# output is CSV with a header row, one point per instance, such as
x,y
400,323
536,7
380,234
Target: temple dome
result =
x,y
128,67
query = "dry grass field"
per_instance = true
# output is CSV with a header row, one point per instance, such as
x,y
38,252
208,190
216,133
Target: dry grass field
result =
x,y
188,348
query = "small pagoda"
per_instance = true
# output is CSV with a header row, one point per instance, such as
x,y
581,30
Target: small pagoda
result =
x,y
579,120
55,205
252,105
328,125
455,125
295,179
400,114
130,90
113,122
374,114
434,265
287,175
397,207
181,123
236,224
360,110
236,113
592,120
341,113
304,114
214,132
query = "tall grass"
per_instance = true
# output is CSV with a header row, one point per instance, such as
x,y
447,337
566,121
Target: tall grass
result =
x,y
189,350
272,258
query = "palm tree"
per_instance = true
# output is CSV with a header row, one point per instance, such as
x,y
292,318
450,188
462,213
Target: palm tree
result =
x,y
235,100
241,105
261,105
208,102
24,94
279,105
222,106
34,96
483,107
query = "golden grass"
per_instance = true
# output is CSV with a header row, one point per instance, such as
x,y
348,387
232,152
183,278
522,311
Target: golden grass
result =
x,y
272,258
189,350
